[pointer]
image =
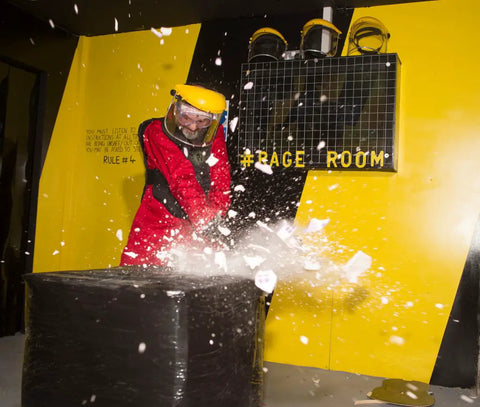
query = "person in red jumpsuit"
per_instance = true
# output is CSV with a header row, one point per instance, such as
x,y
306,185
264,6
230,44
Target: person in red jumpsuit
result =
x,y
187,187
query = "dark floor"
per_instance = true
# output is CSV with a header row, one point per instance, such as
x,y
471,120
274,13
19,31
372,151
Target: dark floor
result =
x,y
285,385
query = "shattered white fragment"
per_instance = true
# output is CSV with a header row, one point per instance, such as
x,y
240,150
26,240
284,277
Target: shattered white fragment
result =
x,y
316,225
311,264
116,24
218,61
141,347
266,280
211,160
55,252
253,261
385,300
119,234
304,340
157,33
166,31
466,398
133,255
323,98
231,213
75,7
321,145
224,230
248,86
357,265
221,260
332,187
264,168
439,306
285,231
239,188
397,340
52,24
174,293
233,124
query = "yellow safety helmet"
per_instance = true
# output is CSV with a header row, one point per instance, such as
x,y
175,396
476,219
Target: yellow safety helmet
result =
x,y
319,39
266,44
368,36
194,115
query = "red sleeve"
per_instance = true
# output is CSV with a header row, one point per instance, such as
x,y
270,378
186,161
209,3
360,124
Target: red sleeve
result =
x,y
219,194
164,154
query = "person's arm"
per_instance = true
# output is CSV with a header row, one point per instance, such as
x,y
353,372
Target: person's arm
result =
x,y
179,172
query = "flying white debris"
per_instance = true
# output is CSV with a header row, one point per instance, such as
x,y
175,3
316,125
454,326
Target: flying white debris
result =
x,y
321,145
75,7
466,398
312,264
240,188
224,230
264,168
141,347
218,61
397,340
174,293
221,260
55,252
52,24
304,340
166,31
248,86
233,124
211,160
116,24
266,280
253,261
357,265
157,33
131,254
316,225
231,213
332,187
119,234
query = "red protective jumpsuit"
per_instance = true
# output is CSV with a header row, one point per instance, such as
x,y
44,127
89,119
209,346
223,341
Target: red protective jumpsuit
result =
x,y
155,230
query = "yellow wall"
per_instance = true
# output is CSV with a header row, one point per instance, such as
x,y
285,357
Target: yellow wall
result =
x,y
416,224
86,206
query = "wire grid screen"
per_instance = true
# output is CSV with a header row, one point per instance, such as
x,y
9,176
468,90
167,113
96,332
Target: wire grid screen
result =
x,y
335,113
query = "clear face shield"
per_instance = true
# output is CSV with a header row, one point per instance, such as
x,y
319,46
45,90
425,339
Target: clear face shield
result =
x,y
190,125
319,42
368,36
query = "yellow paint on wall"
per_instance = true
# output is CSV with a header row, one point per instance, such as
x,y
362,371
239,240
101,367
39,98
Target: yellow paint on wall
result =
x,y
93,175
416,224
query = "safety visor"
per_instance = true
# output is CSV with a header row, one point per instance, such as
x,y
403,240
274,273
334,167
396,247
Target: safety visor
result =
x,y
187,115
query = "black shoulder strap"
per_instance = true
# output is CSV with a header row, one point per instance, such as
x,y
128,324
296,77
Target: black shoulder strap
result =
x,y
161,192
160,188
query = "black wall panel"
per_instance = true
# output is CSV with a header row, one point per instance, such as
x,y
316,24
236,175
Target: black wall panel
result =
x,y
35,61
270,197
